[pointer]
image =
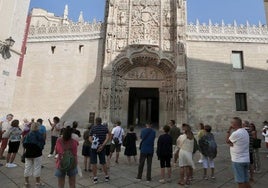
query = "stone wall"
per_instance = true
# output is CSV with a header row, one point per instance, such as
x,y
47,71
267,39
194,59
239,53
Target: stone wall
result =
x,y
64,84
13,15
212,82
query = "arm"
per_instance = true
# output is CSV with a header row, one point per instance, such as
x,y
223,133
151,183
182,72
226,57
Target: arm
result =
x,y
101,147
228,141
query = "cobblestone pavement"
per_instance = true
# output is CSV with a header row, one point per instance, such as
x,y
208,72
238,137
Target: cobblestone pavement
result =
x,y
123,175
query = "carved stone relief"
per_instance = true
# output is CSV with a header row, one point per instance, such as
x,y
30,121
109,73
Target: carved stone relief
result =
x,y
144,73
122,32
145,21
121,44
122,18
168,45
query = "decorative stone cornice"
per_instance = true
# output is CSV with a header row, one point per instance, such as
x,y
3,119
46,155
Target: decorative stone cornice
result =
x,y
227,33
65,32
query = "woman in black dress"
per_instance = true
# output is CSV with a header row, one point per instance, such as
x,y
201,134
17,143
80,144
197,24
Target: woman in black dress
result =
x,y
130,144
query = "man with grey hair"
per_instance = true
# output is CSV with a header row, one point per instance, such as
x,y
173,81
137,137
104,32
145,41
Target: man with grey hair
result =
x,y
5,125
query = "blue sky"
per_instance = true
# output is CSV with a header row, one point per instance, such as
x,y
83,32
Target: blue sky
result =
x,y
216,10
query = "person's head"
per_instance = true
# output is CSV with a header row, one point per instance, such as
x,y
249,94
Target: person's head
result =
x,y
67,133
118,123
35,126
252,127
32,120
201,126
207,128
9,117
25,120
15,123
148,124
56,120
172,123
188,131
75,124
245,124
131,128
166,128
236,123
98,121
39,121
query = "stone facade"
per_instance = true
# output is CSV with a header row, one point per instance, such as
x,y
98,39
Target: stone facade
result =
x,y
13,14
74,68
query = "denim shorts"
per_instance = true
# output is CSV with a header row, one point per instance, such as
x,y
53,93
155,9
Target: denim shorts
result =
x,y
241,172
61,174
101,155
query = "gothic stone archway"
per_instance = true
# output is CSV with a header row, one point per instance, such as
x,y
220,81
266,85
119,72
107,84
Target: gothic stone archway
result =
x,y
142,67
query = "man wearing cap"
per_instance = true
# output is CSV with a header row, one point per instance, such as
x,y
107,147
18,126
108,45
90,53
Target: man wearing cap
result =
x,y
265,134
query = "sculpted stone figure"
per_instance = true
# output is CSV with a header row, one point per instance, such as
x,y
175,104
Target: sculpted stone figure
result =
x,y
122,18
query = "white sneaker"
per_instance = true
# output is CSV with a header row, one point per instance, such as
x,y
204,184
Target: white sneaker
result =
x,y
56,156
12,165
50,155
7,165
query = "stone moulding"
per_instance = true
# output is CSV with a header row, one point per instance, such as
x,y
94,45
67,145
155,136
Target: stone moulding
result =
x,y
65,32
227,33
62,37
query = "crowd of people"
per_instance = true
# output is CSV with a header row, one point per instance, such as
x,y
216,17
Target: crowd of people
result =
x,y
174,147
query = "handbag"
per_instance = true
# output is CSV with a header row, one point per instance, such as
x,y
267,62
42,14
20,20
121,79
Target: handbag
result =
x,y
116,139
256,143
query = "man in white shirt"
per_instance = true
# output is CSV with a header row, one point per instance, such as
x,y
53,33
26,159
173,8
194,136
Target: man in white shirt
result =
x,y
238,139
117,139
5,126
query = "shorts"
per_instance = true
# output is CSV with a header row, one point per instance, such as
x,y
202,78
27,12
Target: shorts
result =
x,y
165,162
241,172
86,150
94,154
208,162
116,148
4,143
107,150
70,173
13,147
33,167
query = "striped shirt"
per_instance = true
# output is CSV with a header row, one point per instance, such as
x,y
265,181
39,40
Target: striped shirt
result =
x,y
100,131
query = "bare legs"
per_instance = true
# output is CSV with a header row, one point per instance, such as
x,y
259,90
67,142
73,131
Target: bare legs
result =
x,y
185,175
87,164
129,159
61,182
11,157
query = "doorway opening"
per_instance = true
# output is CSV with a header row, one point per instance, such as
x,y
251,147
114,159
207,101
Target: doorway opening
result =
x,y
143,106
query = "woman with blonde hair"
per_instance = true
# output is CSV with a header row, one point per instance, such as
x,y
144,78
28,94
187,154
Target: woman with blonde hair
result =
x,y
186,144
33,143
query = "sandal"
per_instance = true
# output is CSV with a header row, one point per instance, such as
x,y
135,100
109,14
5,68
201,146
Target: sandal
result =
x,y
181,183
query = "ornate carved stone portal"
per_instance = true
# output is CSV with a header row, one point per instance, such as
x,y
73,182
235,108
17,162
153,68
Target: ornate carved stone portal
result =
x,y
144,48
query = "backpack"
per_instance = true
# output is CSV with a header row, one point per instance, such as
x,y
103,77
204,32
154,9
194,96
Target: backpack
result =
x,y
208,146
67,161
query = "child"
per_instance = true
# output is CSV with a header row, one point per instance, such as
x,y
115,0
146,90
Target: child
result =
x,y
86,149
164,153
208,148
